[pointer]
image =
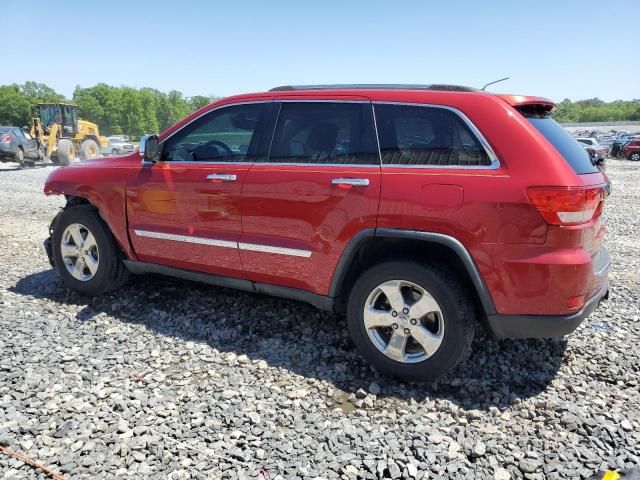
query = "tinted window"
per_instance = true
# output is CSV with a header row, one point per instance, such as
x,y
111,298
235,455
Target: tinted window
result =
x,y
586,142
331,133
564,143
224,135
414,135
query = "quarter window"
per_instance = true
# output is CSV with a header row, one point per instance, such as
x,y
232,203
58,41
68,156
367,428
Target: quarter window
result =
x,y
326,133
415,135
225,135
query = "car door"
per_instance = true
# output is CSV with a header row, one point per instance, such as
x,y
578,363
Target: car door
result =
x,y
319,186
184,210
29,145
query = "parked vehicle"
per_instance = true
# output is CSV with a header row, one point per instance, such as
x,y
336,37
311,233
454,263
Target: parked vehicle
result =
x,y
421,212
63,136
117,146
18,146
605,140
597,152
632,150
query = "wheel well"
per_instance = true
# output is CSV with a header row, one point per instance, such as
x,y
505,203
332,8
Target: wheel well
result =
x,y
73,201
376,250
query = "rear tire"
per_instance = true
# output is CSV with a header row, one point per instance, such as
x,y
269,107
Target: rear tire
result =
x,y
80,235
20,156
66,152
431,344
89,150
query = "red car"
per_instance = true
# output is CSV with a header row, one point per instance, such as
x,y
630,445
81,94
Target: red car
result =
x,y
421,212
632,150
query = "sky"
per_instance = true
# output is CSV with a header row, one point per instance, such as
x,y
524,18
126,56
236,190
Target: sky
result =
x,y
556,49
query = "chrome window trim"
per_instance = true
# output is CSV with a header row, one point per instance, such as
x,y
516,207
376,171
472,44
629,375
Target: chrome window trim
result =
x,y
212,242
495,162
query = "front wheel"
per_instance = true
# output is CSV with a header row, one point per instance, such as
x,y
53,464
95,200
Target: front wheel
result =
x,y
635,156
411,321
85,253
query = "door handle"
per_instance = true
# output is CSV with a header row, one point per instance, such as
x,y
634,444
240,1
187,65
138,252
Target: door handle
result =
x,y
350,182
222,177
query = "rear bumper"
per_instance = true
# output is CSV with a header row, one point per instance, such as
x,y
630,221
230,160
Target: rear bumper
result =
x,y
544,326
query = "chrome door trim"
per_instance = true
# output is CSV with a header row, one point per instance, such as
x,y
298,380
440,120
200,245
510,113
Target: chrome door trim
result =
x,y
294,252
212,242
186,238
495,162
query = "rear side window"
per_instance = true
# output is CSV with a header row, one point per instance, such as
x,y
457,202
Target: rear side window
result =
x,y
325,133
564,143
415,135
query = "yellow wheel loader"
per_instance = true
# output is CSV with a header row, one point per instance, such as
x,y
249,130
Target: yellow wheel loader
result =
x,y
62,136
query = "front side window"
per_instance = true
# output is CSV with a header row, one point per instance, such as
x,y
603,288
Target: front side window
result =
x,y
224,135
324,133
416,135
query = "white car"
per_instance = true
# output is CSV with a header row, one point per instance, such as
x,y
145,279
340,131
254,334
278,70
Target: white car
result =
x,y
117,146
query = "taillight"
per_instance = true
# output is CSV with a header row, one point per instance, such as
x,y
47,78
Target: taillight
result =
x,y
6,139
566,205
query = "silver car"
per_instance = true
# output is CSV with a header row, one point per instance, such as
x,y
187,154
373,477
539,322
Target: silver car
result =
x,y
117,146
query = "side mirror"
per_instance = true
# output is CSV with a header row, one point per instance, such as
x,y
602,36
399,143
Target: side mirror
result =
x,y
150,148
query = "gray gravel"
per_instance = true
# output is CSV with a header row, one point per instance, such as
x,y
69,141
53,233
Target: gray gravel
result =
x,y
171,379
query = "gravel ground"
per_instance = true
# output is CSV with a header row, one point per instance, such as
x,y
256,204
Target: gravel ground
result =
x,y
171,379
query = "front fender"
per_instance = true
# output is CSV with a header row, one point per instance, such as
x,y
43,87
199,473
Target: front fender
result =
x,y
102,188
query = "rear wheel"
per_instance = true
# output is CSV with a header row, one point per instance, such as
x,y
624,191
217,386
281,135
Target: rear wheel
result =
x,y
410,321
85,253
66,152
89,149
635,156
20,156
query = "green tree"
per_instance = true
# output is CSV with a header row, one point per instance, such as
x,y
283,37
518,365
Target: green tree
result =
x,y
15,108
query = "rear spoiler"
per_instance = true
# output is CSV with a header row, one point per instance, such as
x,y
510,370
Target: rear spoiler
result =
x,y
528,104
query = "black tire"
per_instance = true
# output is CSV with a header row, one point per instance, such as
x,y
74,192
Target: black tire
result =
x,y
459,319
634,157
20,156
111,273
89,150
66,152
114,152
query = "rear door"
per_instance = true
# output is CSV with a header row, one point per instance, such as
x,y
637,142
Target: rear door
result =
x,y
319,186
184,211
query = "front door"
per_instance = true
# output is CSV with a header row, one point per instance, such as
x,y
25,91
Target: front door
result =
x,y
319,186
184,210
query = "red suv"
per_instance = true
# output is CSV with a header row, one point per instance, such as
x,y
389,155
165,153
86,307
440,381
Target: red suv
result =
x,y
632,149
419,211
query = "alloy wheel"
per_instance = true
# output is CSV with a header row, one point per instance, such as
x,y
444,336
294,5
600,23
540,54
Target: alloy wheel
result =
x,y
404,321
80,252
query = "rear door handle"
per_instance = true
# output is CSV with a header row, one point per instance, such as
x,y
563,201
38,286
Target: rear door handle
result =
x,y
222,177
352,182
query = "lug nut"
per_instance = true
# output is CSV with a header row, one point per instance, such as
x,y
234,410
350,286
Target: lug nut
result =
x,y
394,314
413,321
405,310
395,326
407,331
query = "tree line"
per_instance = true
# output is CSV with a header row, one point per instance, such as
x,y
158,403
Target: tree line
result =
x,y
116,110
136,111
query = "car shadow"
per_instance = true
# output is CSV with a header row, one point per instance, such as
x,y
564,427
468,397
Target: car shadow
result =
x,y
309,342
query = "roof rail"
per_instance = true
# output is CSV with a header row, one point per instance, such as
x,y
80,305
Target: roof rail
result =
x,y
375,86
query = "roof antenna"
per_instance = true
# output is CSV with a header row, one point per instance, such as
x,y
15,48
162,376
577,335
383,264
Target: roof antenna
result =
x,y
496,81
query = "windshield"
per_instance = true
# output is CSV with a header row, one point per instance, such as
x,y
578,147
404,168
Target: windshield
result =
x,y
4,129
50,114
564,143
